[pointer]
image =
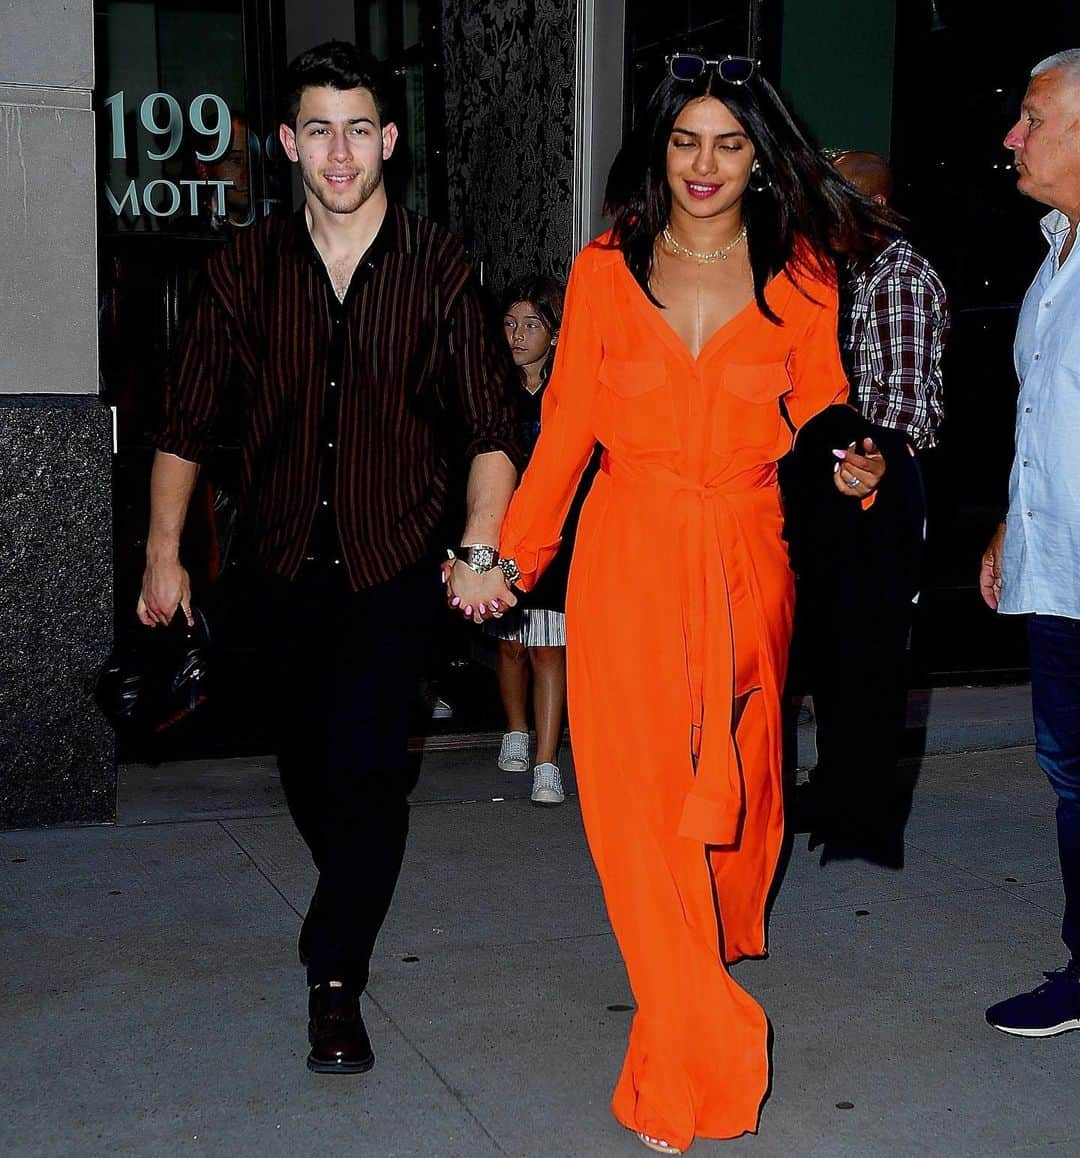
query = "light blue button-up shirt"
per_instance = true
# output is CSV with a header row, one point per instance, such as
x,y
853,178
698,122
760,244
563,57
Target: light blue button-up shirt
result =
x,y
1040,567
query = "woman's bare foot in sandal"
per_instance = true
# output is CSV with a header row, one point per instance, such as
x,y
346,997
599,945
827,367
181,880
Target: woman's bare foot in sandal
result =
x,y
657,1144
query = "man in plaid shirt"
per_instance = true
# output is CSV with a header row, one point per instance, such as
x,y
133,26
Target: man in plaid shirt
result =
x,y
895,323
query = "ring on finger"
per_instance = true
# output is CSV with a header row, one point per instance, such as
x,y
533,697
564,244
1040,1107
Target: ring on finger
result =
x,y
853,482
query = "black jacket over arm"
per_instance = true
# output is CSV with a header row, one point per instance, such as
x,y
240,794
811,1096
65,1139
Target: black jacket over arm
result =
x,y
830,536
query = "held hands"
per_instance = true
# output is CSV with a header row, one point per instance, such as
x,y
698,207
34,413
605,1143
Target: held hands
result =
x,y
858,474
990,570
477,597
165,587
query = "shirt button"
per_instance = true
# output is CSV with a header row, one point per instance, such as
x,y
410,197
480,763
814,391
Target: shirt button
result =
x,y
326,502
1027,409
1030,514
332,384
329,446
1025,464
337,562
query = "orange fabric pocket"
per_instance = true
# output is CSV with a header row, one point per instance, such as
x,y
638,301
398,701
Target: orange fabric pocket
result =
x,y
747,412
642,404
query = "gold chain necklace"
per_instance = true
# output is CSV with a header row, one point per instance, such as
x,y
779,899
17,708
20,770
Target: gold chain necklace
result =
x,y
720,254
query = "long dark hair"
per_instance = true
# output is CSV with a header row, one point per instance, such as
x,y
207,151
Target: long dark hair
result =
x,y
804,219
545,295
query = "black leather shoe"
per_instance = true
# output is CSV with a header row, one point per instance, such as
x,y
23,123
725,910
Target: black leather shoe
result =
x,y
339,1041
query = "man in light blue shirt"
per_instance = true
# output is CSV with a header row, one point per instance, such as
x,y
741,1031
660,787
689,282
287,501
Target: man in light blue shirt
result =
x,y
1032,565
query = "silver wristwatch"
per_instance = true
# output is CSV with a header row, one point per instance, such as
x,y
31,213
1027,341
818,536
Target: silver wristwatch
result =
x,y
479,557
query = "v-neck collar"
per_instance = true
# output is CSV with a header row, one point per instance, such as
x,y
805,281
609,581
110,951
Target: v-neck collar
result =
x,y
667,332
387,240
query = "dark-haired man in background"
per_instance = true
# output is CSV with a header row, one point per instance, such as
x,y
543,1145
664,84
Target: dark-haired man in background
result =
x,y
354,334
895,323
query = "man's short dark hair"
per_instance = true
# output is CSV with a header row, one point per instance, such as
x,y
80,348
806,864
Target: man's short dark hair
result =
x,y
339,65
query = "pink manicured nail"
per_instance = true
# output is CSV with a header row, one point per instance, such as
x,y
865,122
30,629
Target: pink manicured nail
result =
x,y
442,575
455,601
483,608
468,609
840,453
836,467
493,604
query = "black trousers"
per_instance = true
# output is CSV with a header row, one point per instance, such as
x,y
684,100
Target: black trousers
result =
x,y
344,669
856,572
850,650
853,619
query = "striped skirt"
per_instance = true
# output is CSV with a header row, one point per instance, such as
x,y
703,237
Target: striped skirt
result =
x,y
530,627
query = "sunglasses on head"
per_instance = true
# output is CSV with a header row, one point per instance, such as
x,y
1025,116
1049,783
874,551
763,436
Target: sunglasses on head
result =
x,y
730,69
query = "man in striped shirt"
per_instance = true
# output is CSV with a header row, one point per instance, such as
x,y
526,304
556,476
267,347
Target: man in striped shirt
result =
x,y
351,342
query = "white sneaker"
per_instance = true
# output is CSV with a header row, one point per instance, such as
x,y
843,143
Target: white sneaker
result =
x,y
514,753
547,785
442,710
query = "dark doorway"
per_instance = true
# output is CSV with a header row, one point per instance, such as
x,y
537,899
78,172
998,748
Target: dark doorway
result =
x,y
187,114
961,70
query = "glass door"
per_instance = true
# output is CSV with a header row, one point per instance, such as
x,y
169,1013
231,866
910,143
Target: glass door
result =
x,y
187,157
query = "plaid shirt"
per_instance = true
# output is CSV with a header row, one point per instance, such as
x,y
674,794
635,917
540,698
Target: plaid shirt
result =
x,y
894,325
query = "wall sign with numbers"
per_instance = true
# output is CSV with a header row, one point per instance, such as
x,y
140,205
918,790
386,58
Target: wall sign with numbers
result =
x,y
160,116
168,161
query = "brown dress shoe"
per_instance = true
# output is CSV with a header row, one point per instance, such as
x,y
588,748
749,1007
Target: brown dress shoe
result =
x,y
339,1041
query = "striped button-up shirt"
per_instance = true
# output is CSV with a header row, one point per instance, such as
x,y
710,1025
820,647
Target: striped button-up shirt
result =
x,y
1040,565
357,408
894,325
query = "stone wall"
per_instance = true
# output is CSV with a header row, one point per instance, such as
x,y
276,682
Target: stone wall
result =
x,y
57,760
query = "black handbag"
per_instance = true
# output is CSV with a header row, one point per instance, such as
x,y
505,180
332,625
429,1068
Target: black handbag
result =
x,y
159,677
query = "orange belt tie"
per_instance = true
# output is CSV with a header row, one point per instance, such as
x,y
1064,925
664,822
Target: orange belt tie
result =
x,y
713,809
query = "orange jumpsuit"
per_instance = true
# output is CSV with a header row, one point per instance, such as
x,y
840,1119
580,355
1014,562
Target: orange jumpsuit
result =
x,y
678,624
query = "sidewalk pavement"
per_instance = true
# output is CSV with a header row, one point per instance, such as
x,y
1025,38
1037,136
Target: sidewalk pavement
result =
x,y
152,1004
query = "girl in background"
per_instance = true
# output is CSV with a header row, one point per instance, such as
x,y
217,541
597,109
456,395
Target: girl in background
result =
x,y
532,637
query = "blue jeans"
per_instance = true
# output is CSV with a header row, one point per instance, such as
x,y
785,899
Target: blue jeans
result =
x,y
1055,701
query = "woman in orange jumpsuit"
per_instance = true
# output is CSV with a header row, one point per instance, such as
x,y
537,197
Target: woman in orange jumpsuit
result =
x,y
698,336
